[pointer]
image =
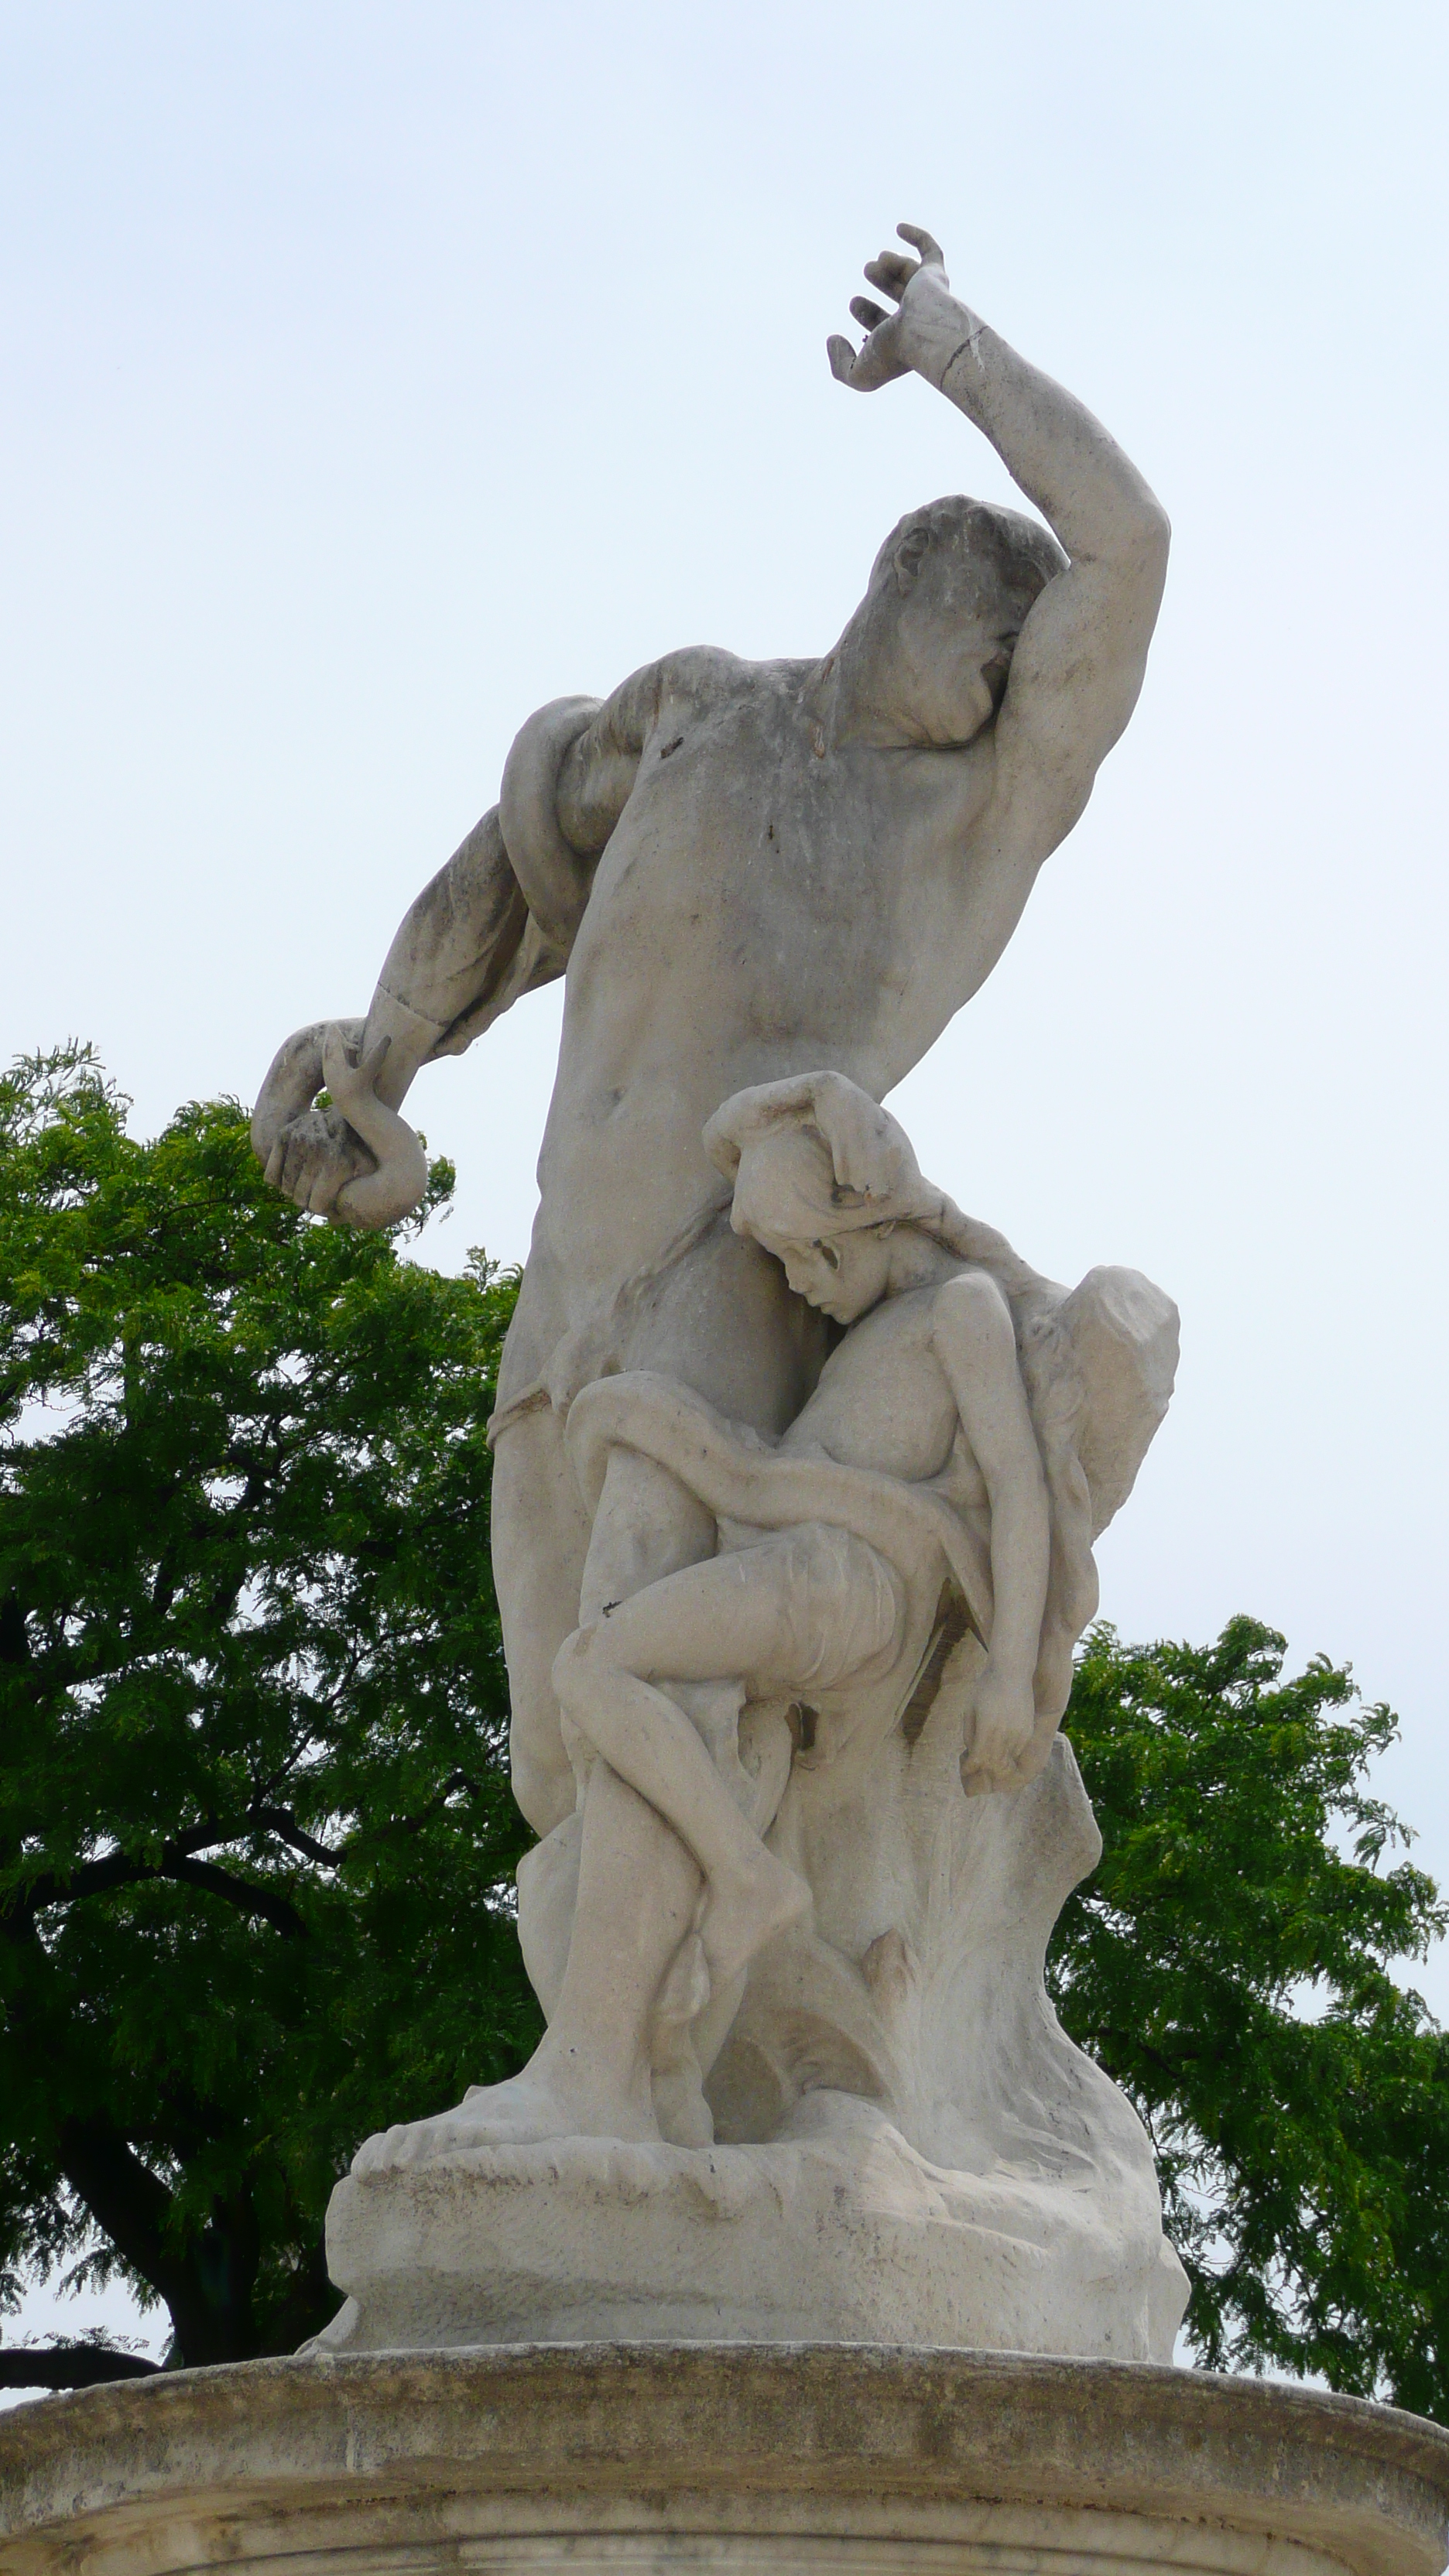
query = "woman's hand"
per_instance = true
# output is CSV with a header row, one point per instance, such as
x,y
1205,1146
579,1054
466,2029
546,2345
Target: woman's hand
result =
x,y
1002,1753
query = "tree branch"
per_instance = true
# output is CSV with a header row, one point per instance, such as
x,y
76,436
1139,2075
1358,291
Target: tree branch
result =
x,y
69,2365
282,1822
402,1826
14,1641
99,1877
127,2201
243,1893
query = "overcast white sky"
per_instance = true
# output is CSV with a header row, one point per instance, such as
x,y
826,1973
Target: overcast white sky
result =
x,y
373,373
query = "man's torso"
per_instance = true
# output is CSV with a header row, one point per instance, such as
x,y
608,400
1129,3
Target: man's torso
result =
x,y
760,909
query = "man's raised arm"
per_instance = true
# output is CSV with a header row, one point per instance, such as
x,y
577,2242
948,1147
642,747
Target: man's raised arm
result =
x,y
1078,663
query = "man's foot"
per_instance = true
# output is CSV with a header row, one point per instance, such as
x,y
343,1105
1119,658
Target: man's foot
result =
x,y
530,2108
741,1917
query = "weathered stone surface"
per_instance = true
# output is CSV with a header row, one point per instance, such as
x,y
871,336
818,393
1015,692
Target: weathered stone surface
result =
x,y
651,2458
839,2232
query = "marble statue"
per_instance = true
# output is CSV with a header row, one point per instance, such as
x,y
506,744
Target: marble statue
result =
x,y
797,1467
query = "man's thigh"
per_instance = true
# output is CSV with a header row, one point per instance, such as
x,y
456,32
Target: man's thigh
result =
x,y
723,1320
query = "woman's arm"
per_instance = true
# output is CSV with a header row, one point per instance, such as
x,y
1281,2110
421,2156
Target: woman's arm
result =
x,y
380,1197
973,1339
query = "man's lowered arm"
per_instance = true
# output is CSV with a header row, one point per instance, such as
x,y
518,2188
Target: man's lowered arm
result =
x,y
1079,660
496,922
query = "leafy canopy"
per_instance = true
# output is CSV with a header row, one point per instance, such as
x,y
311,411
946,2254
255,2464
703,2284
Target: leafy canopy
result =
x,y
1229,1964
256,1838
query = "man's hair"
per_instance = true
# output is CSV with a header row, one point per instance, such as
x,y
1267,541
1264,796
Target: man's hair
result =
x,y
1002,550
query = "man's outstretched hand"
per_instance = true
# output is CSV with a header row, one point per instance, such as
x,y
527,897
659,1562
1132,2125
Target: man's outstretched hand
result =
x,y
921,337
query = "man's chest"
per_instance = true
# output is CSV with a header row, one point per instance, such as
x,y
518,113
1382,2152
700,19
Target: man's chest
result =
x,y
741,836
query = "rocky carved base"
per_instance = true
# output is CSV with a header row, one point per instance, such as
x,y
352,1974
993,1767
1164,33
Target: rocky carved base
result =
x,y
837,2232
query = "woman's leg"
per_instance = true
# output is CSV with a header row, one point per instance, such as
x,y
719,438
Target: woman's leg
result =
x,y
723,1619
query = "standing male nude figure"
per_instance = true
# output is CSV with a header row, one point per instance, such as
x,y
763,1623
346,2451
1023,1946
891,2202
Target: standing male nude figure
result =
x,y
751,870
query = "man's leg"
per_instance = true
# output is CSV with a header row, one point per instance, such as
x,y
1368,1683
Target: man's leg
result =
x,y
639,1885
540,1545
725,1322
590,2075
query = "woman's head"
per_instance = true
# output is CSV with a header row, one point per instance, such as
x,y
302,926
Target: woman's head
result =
x,y
834,1241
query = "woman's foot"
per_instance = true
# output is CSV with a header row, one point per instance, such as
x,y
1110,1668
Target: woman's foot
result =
x,y
543,2102
753,1907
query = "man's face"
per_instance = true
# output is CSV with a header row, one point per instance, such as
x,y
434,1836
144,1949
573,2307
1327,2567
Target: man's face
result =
x,y
948,652
931,658
844,1276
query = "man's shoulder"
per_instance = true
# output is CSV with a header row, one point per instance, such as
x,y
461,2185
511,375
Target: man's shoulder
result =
x,y
707,673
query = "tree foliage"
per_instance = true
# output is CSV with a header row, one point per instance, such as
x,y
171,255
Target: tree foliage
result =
x,y
1229,1964
256,1838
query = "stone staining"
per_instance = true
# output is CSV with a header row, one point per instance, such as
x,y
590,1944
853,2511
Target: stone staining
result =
x,y
798,1468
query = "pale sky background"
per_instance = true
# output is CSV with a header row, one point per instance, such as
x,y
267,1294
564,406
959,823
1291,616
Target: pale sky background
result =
x,y
373,373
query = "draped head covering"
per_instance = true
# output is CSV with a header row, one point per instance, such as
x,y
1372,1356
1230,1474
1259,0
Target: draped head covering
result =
x,y
787,1147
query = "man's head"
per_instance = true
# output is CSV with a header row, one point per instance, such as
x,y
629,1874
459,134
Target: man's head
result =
x,y
926,656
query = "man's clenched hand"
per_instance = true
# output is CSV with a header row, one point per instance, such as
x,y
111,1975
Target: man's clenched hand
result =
x,y
314,1158
308,1154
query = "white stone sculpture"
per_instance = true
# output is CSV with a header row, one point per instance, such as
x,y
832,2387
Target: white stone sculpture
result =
x,y
770,1616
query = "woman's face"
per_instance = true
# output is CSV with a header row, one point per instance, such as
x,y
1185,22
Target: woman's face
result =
x,y
843,1275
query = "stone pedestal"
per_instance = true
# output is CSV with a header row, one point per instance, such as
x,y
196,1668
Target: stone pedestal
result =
x,y
851,2459
841,2233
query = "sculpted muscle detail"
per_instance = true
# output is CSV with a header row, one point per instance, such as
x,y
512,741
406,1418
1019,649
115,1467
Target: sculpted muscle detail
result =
x,y
780,909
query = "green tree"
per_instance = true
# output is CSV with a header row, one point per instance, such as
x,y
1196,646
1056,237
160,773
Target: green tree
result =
x,y
256,1840
1229,1964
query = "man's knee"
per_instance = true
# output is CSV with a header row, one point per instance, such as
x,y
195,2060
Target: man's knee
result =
x,y
570,1667
647,1525
590,1652
540,1772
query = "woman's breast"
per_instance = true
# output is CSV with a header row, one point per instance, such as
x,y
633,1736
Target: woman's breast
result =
x,y
889,1411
